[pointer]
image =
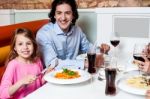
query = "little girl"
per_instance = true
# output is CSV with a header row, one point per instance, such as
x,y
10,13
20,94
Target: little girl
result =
x,y
23,64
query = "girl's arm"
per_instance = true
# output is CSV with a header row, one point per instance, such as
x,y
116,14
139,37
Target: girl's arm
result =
x,y
21,83
8,87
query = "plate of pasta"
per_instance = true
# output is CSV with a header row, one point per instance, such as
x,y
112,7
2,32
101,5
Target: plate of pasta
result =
x,y
134,83
67,76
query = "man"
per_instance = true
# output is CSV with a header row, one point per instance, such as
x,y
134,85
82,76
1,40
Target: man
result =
x,y
61,38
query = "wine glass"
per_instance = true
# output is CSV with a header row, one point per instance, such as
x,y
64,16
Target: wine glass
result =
x,y
138,52
114,40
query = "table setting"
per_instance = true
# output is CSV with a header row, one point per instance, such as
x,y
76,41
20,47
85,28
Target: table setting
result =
x,y
88,85
116,78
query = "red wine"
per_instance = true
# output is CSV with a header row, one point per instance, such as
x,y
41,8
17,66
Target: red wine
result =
x,y
114,42
110,74
148,57
138,57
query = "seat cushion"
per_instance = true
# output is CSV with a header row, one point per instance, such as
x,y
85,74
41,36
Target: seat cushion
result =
x,y
2,70
4,51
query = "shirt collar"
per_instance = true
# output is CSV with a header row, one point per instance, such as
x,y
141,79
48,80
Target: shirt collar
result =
x,y
58,30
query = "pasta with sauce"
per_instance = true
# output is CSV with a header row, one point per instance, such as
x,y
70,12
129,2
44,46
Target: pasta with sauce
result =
x,y
67,74
138,82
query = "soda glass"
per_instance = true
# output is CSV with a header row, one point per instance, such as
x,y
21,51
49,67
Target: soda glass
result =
x,y
91,55
110,74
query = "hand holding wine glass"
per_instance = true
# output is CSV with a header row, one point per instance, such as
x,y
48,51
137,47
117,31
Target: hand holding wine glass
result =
x,y
138,54
141,57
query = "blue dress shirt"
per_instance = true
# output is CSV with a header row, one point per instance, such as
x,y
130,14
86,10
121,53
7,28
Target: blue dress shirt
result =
x,y
54,43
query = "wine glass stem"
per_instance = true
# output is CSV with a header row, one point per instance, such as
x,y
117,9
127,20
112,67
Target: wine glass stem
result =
x,y
115,56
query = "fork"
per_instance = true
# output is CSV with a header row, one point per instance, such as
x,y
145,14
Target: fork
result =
x,y
43,71
56,64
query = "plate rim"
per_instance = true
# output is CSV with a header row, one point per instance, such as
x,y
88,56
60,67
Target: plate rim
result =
x,y
51,79
119,79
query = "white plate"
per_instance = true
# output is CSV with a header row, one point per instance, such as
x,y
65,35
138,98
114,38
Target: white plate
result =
x,y
82,56
84,76
121,83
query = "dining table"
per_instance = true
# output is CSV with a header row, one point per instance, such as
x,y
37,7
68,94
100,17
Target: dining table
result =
x,y
92,88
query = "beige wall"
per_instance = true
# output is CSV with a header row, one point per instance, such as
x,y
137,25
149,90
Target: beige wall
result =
x,y
44,4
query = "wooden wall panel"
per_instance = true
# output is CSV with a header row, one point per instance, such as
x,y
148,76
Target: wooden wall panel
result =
x,y
45,4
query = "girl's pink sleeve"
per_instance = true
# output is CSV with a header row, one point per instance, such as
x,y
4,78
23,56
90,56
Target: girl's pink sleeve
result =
x,y
6,82
41,64
41,67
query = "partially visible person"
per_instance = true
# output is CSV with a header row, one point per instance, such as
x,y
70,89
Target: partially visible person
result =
x,y
145,66
148,94
62,38
23,64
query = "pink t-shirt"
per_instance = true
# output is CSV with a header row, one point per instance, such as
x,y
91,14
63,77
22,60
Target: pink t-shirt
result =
x,y
15,71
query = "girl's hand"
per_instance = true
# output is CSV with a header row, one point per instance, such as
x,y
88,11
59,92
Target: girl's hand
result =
x,y
49,70
21,83
28,80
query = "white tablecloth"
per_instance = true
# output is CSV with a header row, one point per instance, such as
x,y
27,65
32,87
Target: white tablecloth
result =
x,y
94,89
91,89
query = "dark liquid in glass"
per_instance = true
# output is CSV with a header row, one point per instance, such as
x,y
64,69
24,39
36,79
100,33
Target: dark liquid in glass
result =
x,y
91,61
110,74
148,58
114,42
138,57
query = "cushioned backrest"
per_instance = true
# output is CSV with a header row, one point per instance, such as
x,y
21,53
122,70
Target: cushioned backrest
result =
x,y
4,51
6,33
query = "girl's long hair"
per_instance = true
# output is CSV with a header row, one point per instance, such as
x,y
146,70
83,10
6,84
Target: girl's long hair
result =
x,y
27,33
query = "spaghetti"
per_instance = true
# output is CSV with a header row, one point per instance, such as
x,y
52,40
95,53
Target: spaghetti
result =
x,y
67,74
139,82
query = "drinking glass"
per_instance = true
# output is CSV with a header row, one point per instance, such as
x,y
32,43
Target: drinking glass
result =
x,y
114,40
91,55
138,52
110,73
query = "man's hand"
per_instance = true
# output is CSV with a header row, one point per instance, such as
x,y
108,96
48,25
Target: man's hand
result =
x,y
104,48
